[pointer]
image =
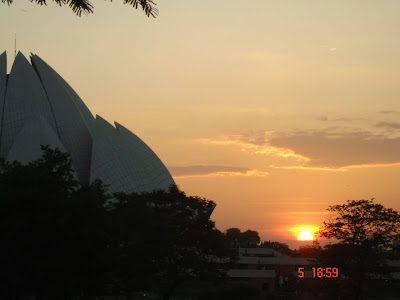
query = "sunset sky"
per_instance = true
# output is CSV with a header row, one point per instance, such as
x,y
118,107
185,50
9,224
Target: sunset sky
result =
x,y
273,109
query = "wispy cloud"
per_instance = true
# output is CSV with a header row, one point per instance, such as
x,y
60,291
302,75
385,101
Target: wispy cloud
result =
x,y
343,119
312,168
255,143
387,112
373,166
214,171
341,169
322,118
337,151
329,48
389,125
349,119
345,168
330,150
303,213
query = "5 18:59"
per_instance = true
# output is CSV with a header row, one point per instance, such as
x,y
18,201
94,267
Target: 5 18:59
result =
x,y
328,272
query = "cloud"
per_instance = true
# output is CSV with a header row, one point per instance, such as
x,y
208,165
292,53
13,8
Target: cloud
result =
x,y
322,118
373,165
209,171
331,151
386,112
334,149
339,169
255,143
303,213
388,125
349,119
313,168
329,48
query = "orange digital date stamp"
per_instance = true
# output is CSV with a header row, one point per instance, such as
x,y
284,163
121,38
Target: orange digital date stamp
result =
x,y
319,272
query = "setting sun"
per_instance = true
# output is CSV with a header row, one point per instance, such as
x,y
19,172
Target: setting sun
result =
x,y
304,232
305,236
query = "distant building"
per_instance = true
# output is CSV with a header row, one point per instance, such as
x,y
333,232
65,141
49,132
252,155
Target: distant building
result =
x,y
265,267
270,270
37,107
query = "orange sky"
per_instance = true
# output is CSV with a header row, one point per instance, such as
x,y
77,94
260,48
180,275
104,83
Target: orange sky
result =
x,y
274,110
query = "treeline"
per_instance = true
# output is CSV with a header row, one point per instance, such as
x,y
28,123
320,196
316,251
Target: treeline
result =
x,y
60,240
235,238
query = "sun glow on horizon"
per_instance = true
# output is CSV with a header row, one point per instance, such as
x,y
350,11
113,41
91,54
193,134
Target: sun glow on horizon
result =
x,y
304,233
305,236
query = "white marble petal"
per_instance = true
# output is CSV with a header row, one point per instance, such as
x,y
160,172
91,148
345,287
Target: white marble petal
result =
x,y
126,163
35,132
25,96
72,128
83,109
37,107
143,158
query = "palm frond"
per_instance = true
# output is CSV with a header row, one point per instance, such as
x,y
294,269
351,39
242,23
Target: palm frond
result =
x,y
86,7
148,6
41,2
79,6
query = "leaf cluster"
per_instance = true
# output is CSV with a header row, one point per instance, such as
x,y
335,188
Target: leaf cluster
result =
x,y
167,236
278,246
53,236
359,221
59,239
367,235
309,251
86,7
247,239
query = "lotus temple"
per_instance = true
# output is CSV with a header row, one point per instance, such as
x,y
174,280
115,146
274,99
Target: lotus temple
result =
x,y
38,107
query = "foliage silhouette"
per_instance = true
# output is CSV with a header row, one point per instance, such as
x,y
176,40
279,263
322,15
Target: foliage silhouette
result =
x,y
361,221
51,230
367,233
60,240
86,7
169,238
248,239
309,251
278,246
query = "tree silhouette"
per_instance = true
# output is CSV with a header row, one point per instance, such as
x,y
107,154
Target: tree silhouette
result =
x,y
367,232
86,7
310,251
166,238
232,236
248,239
362,221
53,241
278,246
61,240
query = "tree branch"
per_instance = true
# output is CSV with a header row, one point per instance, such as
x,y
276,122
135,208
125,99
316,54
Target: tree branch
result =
x,y
86,7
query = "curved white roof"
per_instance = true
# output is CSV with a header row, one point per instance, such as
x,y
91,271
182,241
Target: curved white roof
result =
x,y
24,95
38,107
35,132
71,124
